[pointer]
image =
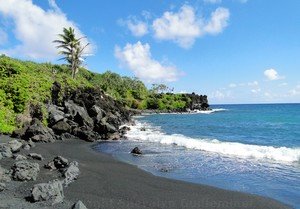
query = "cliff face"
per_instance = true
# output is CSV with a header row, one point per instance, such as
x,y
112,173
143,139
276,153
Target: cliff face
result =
x,y
198,102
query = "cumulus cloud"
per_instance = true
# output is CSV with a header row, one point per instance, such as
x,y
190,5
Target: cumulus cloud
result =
x,y
36,28
218,21
272,75
137,57
184,26
137,28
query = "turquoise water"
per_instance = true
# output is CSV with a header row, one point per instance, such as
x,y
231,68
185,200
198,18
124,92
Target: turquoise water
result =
x,y
249,148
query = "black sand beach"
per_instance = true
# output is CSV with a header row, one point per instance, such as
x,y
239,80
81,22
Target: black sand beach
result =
x,y
105,183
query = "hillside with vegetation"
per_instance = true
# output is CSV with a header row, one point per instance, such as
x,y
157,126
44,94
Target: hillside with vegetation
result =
x,y
25,84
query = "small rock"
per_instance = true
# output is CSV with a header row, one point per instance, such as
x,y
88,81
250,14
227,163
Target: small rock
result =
x,y
15,145
51,191
136,151
79,205
5,151
25,171
31,143
2,187
27,147
124,129
114,136
143,129
50,165
66,136
60,162
71,173
35,156
19,157
4,175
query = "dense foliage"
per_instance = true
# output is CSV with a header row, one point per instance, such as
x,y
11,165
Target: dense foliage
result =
x,y
24,84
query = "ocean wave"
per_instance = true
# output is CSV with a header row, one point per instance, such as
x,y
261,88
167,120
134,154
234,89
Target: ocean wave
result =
x,y
154,134
210,111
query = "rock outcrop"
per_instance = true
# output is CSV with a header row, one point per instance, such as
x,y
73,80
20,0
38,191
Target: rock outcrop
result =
x,y
197,102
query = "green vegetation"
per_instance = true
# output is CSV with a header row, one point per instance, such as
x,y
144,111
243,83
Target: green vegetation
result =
x,y
24,84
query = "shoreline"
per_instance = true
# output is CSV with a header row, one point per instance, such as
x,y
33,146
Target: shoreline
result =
x,y
105,182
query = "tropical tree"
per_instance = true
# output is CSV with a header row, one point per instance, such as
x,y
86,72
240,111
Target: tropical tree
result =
x,y
71,49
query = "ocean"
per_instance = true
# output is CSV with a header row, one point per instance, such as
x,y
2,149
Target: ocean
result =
x,y
247,148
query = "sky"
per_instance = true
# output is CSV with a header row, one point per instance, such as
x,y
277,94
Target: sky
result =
x,y
234,51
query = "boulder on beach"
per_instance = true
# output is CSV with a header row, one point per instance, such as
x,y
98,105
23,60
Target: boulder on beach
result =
x,y
79,205
5,151
35,156
25,171
58,162
37,132
19,157
51,191
71,173
15,145
136,151
61,127
4,175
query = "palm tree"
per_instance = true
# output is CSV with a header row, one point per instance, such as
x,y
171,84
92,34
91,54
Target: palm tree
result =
x,y
71,49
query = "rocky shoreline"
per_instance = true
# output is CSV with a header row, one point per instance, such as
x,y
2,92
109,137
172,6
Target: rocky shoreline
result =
x,y
87,114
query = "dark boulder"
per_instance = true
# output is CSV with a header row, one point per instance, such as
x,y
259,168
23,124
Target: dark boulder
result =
x,y
61,127
37,132
56,87
35,156
136,151
97,113
55,114
86,134
67,136
79,114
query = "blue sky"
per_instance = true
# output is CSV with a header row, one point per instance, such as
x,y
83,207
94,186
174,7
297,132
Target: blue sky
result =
x,y
235,51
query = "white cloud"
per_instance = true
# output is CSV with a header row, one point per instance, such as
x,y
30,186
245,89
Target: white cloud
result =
x,y
295,91
137,57
272,75
213,1
218,21
184,26
36,28
137,28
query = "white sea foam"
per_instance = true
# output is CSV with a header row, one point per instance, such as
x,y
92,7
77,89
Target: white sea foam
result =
x,y
153,134
210,111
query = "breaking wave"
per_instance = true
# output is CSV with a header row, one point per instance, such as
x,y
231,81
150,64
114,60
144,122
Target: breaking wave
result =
x,y
154,134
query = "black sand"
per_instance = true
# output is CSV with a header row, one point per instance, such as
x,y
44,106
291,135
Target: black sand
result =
x,y
106,183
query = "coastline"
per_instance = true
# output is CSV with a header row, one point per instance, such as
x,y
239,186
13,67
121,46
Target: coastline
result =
x,y
105,182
